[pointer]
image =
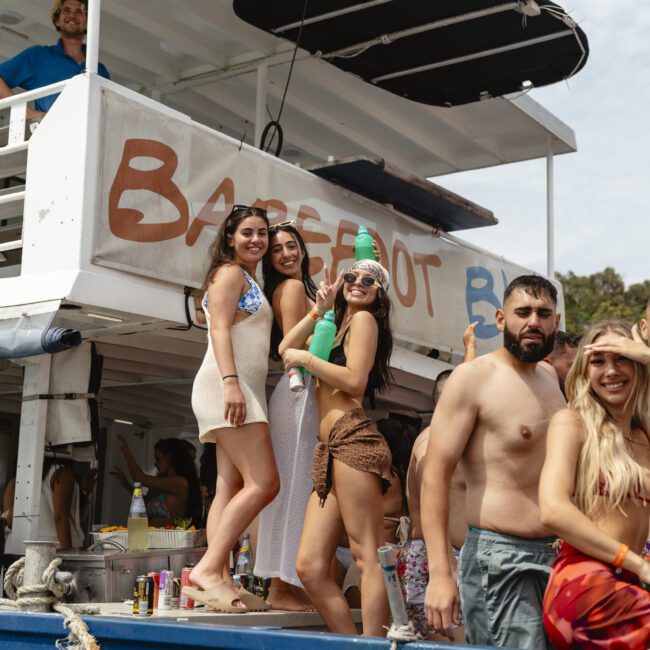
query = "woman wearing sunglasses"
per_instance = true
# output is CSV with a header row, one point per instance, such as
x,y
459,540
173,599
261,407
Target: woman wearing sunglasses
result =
x,y
351,464
229,401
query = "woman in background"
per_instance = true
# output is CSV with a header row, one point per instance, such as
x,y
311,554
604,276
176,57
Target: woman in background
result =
x,y
174,492
593,491
59,514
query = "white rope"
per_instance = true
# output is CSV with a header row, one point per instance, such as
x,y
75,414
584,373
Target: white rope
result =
x,y
402,634
49,592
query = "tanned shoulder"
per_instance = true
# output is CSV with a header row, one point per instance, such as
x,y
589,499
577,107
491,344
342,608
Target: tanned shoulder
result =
x,y
290,287
363,317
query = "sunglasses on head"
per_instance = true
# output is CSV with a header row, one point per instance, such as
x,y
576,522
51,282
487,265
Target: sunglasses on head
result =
x,y
366,280
258,212
283,224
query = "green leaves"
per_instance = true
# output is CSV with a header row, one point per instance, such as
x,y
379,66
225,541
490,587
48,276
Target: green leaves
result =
x,y
589,298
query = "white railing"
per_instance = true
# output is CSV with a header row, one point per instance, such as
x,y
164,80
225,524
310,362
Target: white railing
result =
x,y
18,107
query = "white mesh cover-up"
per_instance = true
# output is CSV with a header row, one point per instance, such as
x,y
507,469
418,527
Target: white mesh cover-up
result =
x,y
250,343
293,426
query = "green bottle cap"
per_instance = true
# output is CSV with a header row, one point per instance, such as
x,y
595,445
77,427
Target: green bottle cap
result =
x,y
363,230
329,315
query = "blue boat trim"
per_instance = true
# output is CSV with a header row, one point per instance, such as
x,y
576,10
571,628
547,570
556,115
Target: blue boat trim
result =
x,y
27,631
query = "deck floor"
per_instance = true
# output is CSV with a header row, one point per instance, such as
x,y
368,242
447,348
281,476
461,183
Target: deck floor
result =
x,y
270,618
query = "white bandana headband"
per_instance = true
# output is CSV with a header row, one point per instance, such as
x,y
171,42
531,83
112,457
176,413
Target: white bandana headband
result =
x,y
376,269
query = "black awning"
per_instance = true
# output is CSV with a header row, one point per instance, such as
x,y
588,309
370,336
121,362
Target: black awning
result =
x,y
407,193
442,52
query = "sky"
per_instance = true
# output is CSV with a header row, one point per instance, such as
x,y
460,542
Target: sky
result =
x,y
602,192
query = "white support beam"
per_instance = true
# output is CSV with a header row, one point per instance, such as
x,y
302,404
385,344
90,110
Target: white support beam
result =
x,y
31,447
550,210
260,102
92,36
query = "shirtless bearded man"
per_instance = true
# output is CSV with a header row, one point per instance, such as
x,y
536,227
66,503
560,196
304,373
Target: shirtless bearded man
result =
x,y
492,418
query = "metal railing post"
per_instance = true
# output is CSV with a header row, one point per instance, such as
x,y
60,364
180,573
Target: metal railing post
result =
x,y
92,36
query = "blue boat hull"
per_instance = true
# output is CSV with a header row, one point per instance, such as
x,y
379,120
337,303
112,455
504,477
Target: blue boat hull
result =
x,y
27,631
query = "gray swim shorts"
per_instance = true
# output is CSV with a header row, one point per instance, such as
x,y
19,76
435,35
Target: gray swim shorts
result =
x,y
502,584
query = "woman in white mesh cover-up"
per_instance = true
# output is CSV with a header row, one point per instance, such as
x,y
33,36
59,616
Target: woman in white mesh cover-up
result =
x,y
293,424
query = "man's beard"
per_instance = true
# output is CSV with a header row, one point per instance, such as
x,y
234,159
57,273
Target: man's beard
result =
x,y
530,354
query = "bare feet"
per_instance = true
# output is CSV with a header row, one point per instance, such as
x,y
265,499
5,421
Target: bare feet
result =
x,y
290,599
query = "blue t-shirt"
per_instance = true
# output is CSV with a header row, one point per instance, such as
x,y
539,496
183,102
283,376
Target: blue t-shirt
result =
x,y
40,66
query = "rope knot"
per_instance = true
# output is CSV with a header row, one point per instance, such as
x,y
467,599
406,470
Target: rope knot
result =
x,y
49,592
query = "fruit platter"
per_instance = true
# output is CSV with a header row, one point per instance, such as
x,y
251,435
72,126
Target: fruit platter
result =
x,y
180,535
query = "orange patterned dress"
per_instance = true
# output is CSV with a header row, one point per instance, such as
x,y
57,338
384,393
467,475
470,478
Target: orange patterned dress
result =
x,y
588,604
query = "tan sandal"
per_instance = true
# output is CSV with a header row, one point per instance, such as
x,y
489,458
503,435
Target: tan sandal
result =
x,y
253,603
219,598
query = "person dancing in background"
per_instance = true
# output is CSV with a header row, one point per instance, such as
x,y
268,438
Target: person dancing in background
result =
x,y
593,493
293,424
352,460
229,401
174,492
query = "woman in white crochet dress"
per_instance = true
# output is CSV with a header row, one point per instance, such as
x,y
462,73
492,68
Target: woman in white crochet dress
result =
x,y
293,424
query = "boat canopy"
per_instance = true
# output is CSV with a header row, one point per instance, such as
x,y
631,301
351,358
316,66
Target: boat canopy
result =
x,y
443,53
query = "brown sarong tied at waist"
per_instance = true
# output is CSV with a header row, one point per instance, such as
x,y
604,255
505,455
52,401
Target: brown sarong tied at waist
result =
x,y
355,441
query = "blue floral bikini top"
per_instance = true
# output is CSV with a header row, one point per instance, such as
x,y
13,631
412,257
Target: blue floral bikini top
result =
x,y
250,302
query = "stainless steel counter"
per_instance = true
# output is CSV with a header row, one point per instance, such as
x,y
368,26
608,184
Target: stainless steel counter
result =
x,y
109,576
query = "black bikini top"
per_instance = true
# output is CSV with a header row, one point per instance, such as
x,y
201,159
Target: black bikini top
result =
x,y
337,355
338,358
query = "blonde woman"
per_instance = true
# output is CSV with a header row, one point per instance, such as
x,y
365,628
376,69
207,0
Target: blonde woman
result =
x,y
593,494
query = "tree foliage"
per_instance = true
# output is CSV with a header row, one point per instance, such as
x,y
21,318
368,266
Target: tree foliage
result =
x,y
588,298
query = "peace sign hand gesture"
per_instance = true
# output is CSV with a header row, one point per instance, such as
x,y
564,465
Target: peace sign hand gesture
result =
x,y
326,294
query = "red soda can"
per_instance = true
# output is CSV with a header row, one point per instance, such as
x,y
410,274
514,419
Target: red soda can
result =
x,y
156,589
184,601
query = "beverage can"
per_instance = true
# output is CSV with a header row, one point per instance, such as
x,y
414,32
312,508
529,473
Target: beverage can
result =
x,y
296,380
176,593
166,590
156,591
184,601
143,595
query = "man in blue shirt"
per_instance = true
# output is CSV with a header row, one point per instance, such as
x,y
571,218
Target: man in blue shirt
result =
x,y
42,65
